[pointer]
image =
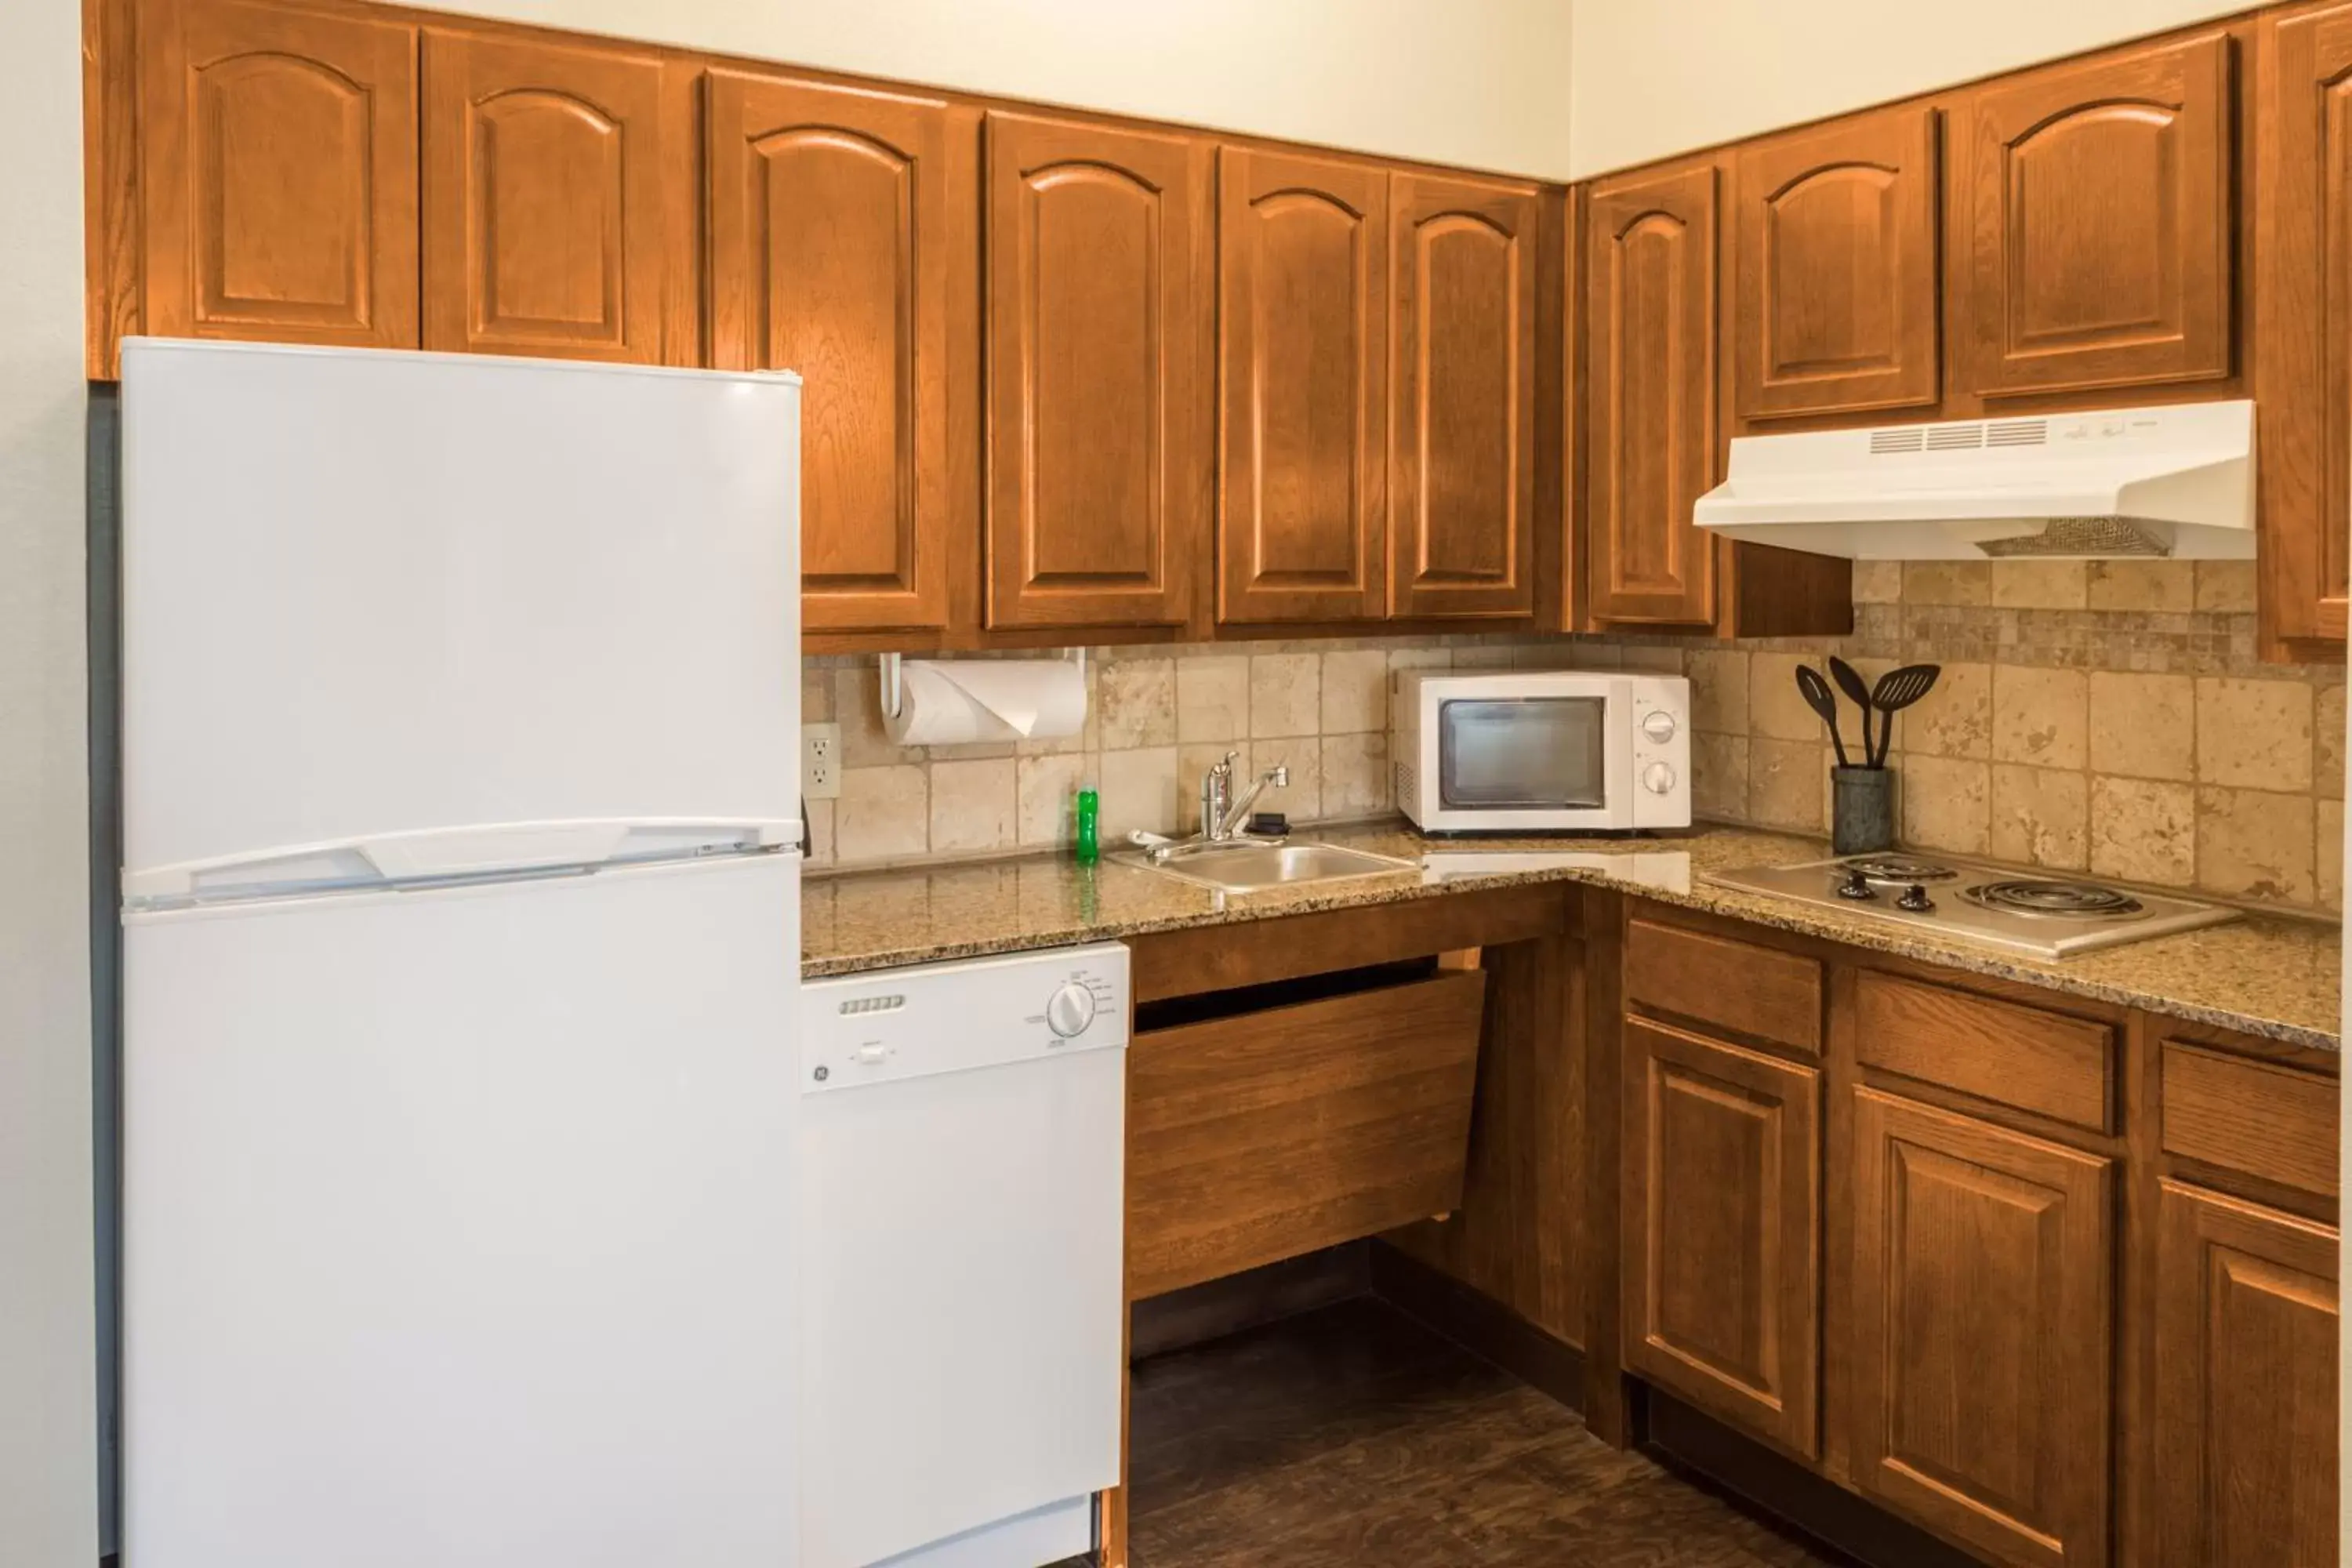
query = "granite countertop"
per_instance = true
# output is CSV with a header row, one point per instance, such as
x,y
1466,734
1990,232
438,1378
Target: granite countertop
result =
x,y
2272,975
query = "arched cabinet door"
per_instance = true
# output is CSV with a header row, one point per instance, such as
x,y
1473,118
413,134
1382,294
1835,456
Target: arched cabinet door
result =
x,y
544,172
1302,388
1100,322
1837,305
844,223
278,174
2094,221
1462,462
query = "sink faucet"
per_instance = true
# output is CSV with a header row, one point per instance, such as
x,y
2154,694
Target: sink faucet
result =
x,y
1223,819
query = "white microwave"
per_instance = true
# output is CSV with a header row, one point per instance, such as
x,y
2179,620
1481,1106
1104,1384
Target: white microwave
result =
x,y
1556,751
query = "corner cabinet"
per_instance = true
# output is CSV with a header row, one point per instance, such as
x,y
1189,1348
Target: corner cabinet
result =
x,y
2302,326
1302,388
1099,337
2093,222
278,174
844,243
1461,470
1649,398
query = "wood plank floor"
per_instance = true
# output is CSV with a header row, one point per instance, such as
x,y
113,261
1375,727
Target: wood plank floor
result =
x,y
1352,1438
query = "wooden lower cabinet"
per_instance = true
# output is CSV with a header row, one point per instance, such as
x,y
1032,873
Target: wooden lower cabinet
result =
x,y
1982,1313
1722,1195
2246,1322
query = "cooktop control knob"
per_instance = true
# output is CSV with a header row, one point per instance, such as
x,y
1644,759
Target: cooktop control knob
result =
x,y
1856,886
1070,1010
1659,725
1658,778
1915,898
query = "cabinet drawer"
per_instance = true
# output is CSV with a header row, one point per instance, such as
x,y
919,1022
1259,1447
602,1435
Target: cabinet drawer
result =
x,y
1268,1134
2053,1066
1735,985
2265,1120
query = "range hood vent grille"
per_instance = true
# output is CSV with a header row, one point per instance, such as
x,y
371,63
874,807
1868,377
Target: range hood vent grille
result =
x,y
2017,433
2079,536
1906,439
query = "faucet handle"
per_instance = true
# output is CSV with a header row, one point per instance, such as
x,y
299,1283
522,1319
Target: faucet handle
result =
x,y
1278,775
1225,768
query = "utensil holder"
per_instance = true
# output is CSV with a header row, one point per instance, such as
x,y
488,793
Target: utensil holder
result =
x,y
1861,810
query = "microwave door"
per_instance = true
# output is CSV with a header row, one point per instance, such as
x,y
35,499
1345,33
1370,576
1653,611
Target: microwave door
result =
x,y
1551,755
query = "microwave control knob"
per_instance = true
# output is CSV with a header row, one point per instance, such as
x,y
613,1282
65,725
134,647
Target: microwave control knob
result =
x,y
1659,725
1070,1010
1658,778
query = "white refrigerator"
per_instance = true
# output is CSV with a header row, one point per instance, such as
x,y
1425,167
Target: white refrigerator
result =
x,y
461,946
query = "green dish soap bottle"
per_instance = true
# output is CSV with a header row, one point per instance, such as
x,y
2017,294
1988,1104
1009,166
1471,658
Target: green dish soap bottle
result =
x,y
1085,843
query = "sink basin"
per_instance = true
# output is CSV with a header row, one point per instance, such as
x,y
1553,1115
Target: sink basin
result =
x,y
1259,868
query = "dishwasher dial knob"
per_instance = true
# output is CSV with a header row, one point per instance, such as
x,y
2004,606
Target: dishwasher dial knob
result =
x,y
1070,1010
1658,778
1659,725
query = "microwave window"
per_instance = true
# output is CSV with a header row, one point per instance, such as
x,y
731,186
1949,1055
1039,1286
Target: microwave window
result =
x,y
1527,754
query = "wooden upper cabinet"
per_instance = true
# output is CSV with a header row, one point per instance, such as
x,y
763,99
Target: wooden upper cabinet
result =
x,y
545,171
1461,470
278,171
842,221
1978,1353
1649,397
2093,222
2246,1322
1302,376
1099,337
2303,322
1835,307
1722,1207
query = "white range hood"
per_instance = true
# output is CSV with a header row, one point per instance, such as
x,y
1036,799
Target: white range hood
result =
x,y
2177,482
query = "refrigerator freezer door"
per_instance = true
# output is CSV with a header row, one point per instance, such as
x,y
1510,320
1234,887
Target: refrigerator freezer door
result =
x,y
368,593
460,1225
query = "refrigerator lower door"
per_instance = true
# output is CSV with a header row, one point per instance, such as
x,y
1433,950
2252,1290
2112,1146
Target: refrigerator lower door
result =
x,y
460,1225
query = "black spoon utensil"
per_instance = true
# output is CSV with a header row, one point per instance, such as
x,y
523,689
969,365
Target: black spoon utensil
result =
x,y
1823,702
1850,681
1896,689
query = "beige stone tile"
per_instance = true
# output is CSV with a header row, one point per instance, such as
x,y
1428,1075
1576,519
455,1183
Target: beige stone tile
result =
x,y
1356,777
857,709
883,812
2040,716
2040,816
2143,726
2327,743
1877,582
2329,821
1488,655
2169,586
972,806
1564,655
2144,831
1420,658
1718,681
2253,844
2040,584
1136,700
1947,583
1285,694
1302,798
2226,587
1355,691
1784,784
1719,777
1947,805
816,694
1954,719
1777,710
969,750
1046,790
1652,659
823,851
1212,692
1139,790
2253,734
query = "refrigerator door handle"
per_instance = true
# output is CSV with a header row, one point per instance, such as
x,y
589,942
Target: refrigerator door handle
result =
x,y
438,856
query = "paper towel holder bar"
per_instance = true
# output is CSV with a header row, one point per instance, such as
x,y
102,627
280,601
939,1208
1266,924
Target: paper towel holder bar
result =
x,y
888,668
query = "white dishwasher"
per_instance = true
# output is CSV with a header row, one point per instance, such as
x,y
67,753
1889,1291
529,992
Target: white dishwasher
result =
x,y
963,1128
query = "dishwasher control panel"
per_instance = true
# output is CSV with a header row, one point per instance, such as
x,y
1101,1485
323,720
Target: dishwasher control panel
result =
x,y
890,1025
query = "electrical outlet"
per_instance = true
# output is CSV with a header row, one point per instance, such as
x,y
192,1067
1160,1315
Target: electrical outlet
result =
x,y
821,761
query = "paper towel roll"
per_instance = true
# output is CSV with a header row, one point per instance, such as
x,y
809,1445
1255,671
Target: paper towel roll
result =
x,y
956,702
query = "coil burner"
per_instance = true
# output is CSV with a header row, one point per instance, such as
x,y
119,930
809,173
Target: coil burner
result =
x,y
2054,900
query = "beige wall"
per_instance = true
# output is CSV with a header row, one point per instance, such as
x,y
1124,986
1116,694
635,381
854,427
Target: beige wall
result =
x,y
49,1508
1650,78
1480,83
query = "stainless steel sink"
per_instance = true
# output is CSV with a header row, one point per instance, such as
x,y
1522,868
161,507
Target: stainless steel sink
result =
x,y
1260,868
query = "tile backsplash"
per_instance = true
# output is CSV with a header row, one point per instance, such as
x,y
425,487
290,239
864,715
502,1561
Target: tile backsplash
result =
x,y
2107,717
